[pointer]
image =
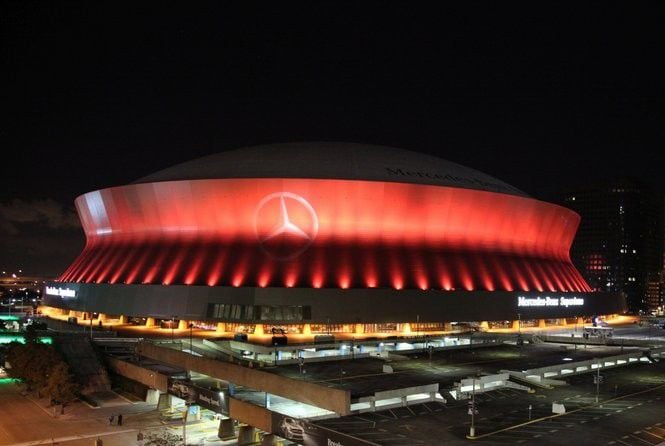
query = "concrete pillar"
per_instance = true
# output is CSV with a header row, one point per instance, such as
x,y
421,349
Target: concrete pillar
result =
x,y
123,319
516,325
152,396
404,402
541,323
164,401
268,440
246,435
484,325
359,329
150,322
406,328
226,429
221,327
258,329
183,324
307,329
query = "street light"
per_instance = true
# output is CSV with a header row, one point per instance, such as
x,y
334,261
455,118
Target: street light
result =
x,y
472,409
191,328
597,379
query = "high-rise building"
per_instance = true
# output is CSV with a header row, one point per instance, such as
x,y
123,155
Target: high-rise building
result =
x,y
619,245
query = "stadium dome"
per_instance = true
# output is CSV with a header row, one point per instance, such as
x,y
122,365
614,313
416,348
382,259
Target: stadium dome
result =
x,y
332,160
325,215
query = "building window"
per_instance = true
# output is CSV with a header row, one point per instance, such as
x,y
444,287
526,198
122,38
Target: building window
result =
x,y
235,312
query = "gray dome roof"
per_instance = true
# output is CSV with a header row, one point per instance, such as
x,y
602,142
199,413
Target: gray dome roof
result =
x,y
332,160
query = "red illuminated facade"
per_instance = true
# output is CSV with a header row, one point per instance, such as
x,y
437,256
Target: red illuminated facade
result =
x,y
324,233
321,233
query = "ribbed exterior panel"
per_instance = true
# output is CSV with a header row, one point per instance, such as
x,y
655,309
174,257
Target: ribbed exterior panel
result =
x,y
324,233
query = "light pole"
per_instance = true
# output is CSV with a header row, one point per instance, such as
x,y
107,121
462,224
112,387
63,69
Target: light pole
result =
x,y
597,379
184,425
472,429
191,327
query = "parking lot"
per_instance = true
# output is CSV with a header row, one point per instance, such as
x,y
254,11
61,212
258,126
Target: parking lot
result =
x,y
631,412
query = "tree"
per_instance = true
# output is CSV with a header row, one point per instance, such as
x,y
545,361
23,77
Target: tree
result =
x,y
60,385
32,363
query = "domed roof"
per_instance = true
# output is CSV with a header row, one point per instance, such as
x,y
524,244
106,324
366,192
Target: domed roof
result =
x,y
333,160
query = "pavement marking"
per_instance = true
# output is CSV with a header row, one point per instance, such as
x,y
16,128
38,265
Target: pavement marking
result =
x,y
476,437
643,441
651,433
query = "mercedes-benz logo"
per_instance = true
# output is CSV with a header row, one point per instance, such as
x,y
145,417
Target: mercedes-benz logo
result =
x,y
285,225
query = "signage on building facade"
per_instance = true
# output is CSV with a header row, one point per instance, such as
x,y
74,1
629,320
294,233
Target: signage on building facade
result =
x,y
309,434
62,292
550,301
214,400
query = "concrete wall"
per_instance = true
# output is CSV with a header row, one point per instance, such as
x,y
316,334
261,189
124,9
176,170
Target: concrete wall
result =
x,y
146,377
251,414
335,400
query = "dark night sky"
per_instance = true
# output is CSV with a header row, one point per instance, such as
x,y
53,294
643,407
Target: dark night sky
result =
x,y
545,99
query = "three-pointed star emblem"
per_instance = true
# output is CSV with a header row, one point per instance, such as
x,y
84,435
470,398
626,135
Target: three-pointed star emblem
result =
x,y
285,224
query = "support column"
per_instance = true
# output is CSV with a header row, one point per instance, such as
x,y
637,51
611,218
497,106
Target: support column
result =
x,y
516,325
258,329
268,440
123,319
406,328
152,396
150,322
164,401
221,327
359,329
307,329
72,313
541,323
580,320
183,324
484,325
226,429
245,435
101,317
